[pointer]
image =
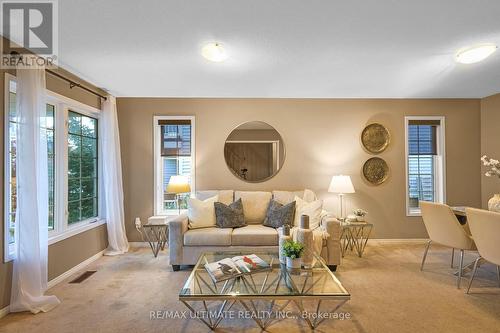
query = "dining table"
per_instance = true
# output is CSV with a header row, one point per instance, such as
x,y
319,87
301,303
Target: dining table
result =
x,y
459,212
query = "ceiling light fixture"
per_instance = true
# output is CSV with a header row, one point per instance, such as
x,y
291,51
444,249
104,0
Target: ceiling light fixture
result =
x,y
475,54
214,52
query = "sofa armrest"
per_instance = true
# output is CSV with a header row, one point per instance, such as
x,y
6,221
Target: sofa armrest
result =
x,y
176,229
333,246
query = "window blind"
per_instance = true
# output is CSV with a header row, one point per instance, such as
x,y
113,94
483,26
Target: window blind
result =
x,y
422,137
175,137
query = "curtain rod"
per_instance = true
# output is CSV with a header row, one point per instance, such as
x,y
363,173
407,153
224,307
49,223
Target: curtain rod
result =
x,y
73,84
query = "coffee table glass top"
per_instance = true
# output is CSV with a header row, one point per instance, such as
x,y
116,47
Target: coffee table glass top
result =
x,y
277,283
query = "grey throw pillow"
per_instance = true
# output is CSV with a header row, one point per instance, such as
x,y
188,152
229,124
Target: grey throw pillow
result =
x,y
278,214
229,216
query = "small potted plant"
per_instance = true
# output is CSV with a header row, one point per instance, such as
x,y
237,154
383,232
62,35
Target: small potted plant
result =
x,y
292,251
360,214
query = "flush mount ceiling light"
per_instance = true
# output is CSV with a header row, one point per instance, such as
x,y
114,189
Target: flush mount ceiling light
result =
x,y
214,52
475,54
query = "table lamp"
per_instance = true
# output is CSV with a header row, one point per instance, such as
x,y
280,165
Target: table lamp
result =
x,y
341,185
178,185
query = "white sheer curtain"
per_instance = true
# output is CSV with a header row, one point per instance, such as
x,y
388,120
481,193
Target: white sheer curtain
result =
x,y
112,178
29,280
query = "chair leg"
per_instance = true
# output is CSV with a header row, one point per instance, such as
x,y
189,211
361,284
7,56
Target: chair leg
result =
x,y
473,273
452,256
460,269
425,254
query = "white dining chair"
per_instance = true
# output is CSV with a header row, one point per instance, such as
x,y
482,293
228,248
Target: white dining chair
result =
x,y
485,228
443,228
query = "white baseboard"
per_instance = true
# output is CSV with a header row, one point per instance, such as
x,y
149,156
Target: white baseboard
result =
x,y
74,270
5,311
138,244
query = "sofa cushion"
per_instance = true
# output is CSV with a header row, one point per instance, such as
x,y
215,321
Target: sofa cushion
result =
x,y
312,209
285,197
309,196
254,235
208,237
225,196
254,205
201,214
229,216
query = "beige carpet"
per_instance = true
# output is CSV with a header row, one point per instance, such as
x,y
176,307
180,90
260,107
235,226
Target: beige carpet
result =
x,y
389,294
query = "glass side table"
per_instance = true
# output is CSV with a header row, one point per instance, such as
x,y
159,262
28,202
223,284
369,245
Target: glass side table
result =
x,y
155,232
354,237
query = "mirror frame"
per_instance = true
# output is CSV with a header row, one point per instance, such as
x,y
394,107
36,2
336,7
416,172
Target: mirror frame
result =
x,y
254,181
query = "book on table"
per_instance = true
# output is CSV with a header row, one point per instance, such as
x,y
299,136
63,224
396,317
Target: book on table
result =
x,y
229,268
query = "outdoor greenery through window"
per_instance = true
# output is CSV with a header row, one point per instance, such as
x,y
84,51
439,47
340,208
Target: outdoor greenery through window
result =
x,y
82,167
11,190
47,128
73,191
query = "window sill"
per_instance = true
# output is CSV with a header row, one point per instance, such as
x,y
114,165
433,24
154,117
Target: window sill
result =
x,y
414,213
72,231
75,230
172,213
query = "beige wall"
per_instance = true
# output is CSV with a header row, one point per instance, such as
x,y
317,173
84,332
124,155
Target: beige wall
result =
x,y
321,139
490,143
71,251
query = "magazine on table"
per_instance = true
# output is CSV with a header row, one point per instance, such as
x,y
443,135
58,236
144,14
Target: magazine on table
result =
x,y
229,268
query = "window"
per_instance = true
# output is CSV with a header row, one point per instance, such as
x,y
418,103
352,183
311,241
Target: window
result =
x,y
48,127
73,197
10,168
82,167
174,155
424,161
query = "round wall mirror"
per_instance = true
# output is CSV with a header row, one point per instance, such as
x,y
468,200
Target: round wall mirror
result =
x,y
254,151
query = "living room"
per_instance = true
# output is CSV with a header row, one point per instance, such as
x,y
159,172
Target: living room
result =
x,y
183,134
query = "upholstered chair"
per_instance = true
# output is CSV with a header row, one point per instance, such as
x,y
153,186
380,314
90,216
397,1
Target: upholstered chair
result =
x,y
443,228
485,229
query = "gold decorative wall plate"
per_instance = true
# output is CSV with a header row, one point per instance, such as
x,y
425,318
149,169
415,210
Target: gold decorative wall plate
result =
x,y
375,138
376,170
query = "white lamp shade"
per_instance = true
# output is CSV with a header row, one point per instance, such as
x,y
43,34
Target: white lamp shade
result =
x,y
341,184
178,184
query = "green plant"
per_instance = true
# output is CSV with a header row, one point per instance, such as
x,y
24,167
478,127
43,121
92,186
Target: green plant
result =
x,y
292,249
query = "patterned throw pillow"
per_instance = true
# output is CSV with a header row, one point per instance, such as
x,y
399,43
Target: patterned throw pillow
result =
x,y
278,214
229,216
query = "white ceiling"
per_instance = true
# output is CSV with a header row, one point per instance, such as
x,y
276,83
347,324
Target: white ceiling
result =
x,y
288,48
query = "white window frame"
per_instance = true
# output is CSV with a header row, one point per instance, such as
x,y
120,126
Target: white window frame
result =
x,y
439,162
158,169
62,230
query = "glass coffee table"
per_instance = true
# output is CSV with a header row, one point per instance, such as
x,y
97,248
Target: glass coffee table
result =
x,y
265,297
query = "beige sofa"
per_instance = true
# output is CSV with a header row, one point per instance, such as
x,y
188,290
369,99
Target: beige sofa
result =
x,y
186,244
